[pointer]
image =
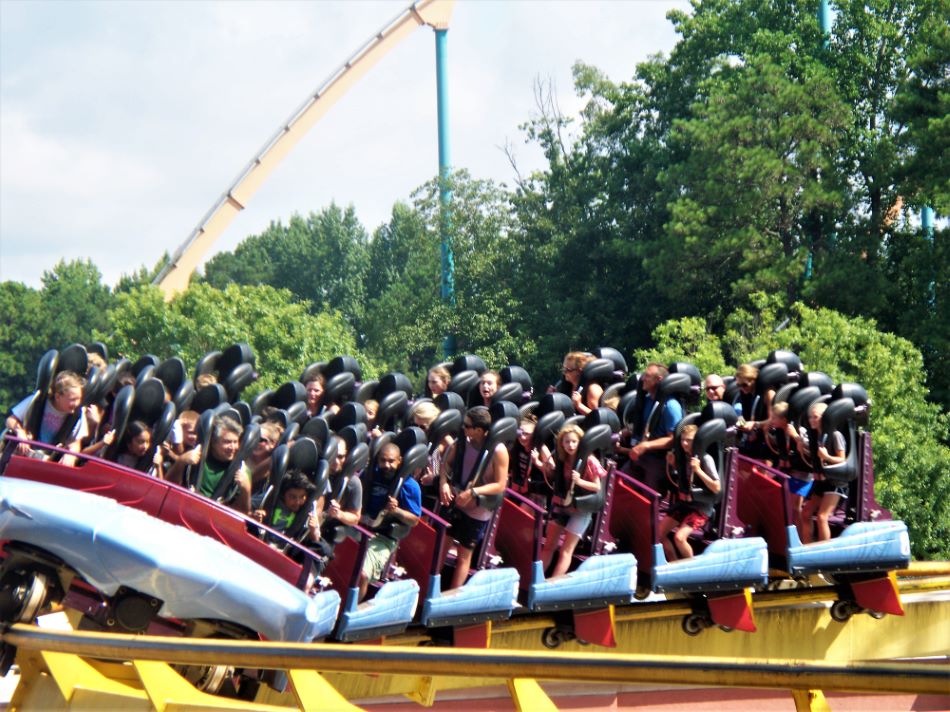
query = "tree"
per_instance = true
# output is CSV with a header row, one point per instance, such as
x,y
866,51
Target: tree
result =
x,y
23,323
757,170
283,333
320,259
76,302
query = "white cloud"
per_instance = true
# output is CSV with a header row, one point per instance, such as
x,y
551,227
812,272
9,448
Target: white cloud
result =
x,y
121,123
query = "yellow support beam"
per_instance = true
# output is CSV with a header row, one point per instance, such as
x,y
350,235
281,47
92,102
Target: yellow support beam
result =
x,y
529,697
502,664
170,692
82,686
313,692
810,701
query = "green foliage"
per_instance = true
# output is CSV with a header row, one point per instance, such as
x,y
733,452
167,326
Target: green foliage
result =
x,y
71,305
910,453
321,259
687,339
284,335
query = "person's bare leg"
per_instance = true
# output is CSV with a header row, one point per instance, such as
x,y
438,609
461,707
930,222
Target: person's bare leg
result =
x,y
463,563
565,555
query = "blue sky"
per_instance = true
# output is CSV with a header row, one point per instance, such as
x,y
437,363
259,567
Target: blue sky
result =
x,y
122,122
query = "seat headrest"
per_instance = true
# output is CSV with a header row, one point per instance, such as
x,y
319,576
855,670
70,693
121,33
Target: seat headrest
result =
x,y
837,415
171,372
353,435
232,357
450,400
350,414
503,409
600,370
409,437
339,388
316,428
821,381
240,377
614,356
392,408
602,416
674,385
46,370
357,458
297,412
789,358
854,391
464,383
244,410
512,392
97,347
209,397
695,377
469,362
392,382
551,402
712,432
782,394
206,364
800,401
502,431
448,422
288,394
596,439
73,358
627,408
413,459
143,363
771,376
547,429
516,374
720,410
305,455
344,364
315,369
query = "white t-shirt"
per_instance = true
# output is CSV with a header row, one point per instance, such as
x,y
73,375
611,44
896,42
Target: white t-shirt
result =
x,y
52,422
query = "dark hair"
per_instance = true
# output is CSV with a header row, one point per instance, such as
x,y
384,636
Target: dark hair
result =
x,y
296,479
479,416
133,430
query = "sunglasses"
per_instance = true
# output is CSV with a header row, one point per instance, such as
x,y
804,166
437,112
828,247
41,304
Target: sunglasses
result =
x,y
746,384
714,388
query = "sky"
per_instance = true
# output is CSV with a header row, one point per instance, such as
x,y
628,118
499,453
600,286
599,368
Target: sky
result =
x,y
121,122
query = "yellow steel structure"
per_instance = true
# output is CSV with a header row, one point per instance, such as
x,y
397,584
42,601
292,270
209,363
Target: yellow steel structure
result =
x,y
174,276
798,648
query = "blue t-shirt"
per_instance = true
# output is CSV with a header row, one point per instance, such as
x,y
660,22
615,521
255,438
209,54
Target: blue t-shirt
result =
x,y
409,497
672,415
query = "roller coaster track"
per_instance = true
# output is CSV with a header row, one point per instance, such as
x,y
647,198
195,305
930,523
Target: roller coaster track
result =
x,y
798,648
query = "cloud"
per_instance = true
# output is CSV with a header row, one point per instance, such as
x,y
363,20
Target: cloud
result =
x,y
121,123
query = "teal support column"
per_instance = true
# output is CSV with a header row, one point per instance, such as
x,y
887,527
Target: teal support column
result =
x,y
824,21
927,222
445,191
927,227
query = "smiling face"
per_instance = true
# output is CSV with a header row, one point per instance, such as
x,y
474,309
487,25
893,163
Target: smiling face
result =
x,y
225,447
68,400
437,383
525,434
314,392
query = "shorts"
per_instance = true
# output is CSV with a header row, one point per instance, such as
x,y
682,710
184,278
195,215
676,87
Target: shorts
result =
x,y
466,531
800,486
378,553
823,487
576,523
688,516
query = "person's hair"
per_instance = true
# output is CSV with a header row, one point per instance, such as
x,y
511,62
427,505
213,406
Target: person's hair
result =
x,y
189,416
388,448
529,418
370,402
480,417
132,431
441,372
426,412
225,424
747,371
578,359
316,377
611,402
781,410
818,409
295,479
492,374
663,370
64,381
689,431
95,361
271,429
205,379
570,428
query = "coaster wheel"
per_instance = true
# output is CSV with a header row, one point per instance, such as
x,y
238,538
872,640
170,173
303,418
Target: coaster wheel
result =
x,y
693,624
22,595
842,611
